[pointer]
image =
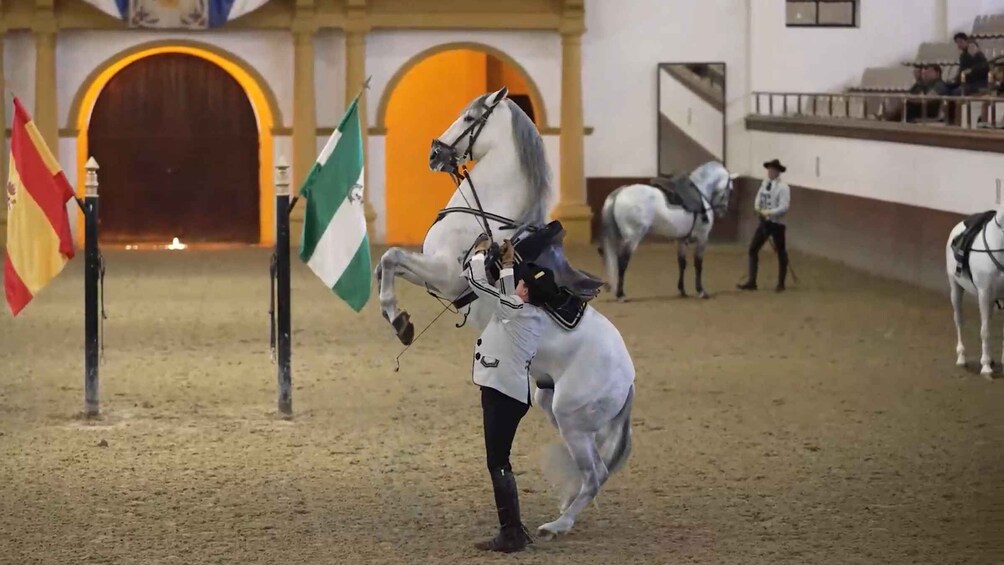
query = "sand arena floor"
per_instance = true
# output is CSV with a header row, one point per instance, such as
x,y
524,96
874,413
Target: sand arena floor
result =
x,y
825,425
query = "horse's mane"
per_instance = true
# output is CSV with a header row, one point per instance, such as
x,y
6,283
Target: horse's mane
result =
x,y
706,173
533,161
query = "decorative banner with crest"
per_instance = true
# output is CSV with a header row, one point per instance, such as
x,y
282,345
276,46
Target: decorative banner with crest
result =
x,y
176,14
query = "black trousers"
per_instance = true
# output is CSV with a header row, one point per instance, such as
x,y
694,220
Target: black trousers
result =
x,y
502,415
776,232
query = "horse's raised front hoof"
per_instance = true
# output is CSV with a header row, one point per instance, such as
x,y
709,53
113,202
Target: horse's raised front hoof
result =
x,y
404,328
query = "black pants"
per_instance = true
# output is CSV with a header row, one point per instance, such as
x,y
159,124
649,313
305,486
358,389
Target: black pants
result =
x,y
502,415
776,232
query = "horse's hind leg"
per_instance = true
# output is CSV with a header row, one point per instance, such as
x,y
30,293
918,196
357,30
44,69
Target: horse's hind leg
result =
x,y
681,262
582,447
956,292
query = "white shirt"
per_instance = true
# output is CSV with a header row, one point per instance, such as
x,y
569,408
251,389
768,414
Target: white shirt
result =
x,y
773,200
509,342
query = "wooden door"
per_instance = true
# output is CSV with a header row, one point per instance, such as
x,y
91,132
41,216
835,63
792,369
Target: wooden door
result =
x,y
177,142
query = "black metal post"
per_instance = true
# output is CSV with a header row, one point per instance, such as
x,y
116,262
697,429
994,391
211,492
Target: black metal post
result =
x,y
92,268
283,337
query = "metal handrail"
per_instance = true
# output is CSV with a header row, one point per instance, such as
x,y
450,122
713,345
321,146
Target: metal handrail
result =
x,y
840,104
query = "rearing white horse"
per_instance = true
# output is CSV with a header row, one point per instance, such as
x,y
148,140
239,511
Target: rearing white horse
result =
x,y
631,211
584,376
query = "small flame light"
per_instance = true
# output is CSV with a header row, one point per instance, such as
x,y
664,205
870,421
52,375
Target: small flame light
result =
x,y
176,245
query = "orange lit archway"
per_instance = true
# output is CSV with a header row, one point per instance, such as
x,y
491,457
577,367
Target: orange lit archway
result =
x,y
420,101
262,101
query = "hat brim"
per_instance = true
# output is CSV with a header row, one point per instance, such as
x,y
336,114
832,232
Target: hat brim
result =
x,y
775,165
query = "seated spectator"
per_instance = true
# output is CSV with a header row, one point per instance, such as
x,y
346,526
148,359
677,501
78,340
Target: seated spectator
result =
x,y
929,82
894,108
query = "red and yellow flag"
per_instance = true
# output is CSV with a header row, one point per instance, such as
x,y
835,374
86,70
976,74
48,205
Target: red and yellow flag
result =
x,y
39,243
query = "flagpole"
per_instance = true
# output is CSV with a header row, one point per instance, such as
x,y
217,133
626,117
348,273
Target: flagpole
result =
x,y
283,341
92,266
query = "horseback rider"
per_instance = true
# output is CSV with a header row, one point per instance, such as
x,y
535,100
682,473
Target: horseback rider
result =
x,y
772,203
502,369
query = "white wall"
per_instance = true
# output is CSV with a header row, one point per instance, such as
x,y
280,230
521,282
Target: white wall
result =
x,y
701,121
623,43
828,59
932,177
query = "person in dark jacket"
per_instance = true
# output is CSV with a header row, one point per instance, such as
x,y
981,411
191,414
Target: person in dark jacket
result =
x,y
974,69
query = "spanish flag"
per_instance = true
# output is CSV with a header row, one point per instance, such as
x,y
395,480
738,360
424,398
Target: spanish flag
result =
x,y
39,243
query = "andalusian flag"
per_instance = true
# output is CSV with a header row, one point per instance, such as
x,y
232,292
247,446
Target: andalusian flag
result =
x,y
334,243
39,243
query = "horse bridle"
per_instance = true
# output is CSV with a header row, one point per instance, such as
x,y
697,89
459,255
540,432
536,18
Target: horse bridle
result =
x,y
447,160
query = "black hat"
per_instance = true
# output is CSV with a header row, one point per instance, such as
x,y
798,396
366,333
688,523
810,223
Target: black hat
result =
x,y
539,282
775,164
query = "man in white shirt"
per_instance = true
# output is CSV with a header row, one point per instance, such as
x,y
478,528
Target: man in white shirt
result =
x,y
772,203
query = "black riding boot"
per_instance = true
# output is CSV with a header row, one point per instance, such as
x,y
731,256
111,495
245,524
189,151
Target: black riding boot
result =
x,y
782,273
512,534
750,283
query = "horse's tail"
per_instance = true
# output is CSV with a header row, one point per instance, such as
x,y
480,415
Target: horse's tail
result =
x,y
610,237
616,446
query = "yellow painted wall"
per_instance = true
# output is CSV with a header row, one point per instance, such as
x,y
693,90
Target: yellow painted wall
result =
x,y
426,101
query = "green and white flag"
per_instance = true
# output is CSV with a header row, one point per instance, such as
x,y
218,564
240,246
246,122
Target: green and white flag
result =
x,y
334,243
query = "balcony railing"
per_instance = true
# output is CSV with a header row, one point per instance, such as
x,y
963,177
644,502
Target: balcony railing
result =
x,y
950,111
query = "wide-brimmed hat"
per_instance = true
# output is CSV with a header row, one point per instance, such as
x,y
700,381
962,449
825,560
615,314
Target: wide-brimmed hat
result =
x,y
775,164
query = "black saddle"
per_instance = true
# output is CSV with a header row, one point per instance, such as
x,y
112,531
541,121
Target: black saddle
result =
x,y
680,191
566,308
963,243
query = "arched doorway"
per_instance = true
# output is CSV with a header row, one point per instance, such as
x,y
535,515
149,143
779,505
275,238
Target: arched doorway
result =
x,y
422,100
179,140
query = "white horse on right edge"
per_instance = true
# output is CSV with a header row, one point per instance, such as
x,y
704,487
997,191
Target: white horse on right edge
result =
x,y
983,277
632,211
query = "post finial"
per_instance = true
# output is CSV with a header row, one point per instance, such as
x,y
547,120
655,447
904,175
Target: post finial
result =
x,y
91,180
282,176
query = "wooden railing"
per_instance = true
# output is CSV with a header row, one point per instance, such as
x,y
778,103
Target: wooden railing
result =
x,y
950,111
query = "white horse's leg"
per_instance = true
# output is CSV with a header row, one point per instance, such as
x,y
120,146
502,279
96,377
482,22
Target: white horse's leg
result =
x,y
627,249
985,305
418,269
699,267
956,292
681,262
582,447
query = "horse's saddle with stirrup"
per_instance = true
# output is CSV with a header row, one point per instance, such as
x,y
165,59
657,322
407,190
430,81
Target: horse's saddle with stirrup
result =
x,y
963,243
681,191
566,309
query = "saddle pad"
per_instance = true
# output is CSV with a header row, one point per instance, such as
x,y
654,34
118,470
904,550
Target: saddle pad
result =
x,y
566,309
963,243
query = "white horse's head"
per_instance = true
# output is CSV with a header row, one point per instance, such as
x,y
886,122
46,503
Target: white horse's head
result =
x,y
492,124
715,181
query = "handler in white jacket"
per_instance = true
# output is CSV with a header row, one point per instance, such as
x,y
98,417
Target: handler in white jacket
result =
x,y
502,360
772,203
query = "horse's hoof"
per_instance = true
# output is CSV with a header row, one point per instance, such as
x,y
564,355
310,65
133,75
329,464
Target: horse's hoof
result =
x,y
961,361
683,294
404,328
622,298
988,376
704,295
553,529
986,371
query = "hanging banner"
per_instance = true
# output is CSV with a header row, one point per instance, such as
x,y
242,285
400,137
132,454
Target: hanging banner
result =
x,y
176,14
